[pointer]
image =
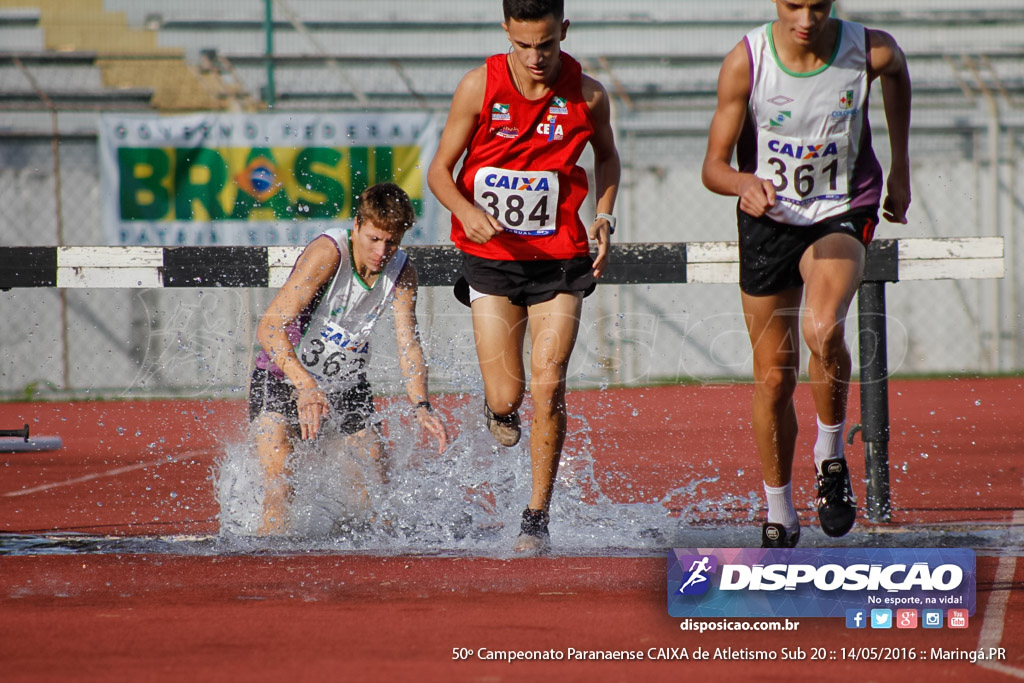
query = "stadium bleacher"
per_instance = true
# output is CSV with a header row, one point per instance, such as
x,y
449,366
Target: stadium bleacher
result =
x,y
656,56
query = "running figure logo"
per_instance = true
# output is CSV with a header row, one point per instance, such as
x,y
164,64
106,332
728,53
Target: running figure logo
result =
x,y
697,581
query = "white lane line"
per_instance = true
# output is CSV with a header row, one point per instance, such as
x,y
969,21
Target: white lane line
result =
x,y
108,473
993,620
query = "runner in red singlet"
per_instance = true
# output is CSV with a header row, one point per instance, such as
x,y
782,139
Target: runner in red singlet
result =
x,y
521,122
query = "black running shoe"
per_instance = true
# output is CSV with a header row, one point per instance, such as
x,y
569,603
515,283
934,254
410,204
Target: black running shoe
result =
x,y
533,536
837,507
775,536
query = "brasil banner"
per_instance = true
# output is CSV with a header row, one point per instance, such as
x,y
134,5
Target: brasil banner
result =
x,y
257,179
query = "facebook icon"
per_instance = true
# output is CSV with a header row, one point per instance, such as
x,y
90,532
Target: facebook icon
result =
x,y
856,618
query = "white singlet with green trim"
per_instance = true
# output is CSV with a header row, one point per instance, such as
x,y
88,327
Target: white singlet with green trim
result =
x,y
810,134
335,346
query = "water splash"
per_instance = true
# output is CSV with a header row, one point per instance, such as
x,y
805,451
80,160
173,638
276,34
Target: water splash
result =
x,y
467,500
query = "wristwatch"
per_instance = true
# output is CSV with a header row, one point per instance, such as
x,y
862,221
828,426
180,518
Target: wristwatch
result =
x,y
611,221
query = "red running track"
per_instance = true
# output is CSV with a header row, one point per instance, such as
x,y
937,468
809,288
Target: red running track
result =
x,y
329,617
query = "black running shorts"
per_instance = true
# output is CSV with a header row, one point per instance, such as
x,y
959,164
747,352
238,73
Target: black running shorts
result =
x,y
350,410
770,251
525,283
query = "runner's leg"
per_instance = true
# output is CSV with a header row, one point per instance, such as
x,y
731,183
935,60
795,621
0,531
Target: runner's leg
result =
x,y
370,446
359,449
773,322
554,325
499,327
773,325
273,446
832,269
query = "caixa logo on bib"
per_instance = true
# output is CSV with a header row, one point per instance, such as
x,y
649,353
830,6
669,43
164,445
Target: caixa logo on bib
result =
x,y
825,582
808,151
521,183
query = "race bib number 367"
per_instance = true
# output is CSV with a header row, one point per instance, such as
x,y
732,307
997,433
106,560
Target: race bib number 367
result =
x,y
803,171
332,356
523,202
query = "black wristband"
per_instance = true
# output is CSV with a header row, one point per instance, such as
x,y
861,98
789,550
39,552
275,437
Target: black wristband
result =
x,y
425,404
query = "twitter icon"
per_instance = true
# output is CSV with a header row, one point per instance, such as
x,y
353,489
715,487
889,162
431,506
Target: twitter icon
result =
x,y
881,618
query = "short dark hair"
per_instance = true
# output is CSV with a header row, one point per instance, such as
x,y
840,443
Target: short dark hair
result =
x,y
527,10
387,206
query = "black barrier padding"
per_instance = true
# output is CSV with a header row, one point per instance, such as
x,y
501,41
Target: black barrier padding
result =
x,y
28,267
638,264
436,266
630,264
883,262
216,267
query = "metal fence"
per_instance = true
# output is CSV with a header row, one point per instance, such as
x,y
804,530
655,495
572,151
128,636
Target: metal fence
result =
x,y
965,148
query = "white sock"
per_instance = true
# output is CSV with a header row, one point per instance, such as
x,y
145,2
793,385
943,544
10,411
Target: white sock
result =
x,y
829,445
780,506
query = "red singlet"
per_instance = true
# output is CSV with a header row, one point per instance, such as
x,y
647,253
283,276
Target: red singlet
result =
x,y
520,166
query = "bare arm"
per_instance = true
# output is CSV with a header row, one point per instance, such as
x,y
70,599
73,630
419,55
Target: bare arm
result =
x,y
410,353
463,115
314,268
607,168
889,63
756,194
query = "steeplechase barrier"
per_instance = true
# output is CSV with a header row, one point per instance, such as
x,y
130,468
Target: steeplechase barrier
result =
x,y
633,263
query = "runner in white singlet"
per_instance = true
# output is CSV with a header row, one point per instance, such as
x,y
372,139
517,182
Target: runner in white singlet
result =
x,y
793,106
315,339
